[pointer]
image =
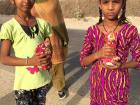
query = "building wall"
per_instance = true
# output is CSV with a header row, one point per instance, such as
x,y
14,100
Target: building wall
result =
x,y
90,7
75,8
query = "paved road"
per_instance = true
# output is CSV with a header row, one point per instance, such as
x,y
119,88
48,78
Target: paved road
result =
x,y
76,78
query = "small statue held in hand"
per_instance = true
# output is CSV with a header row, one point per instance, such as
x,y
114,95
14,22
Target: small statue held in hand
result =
x,y
42,48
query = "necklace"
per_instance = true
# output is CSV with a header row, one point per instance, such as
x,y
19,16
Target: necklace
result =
x,y
32,30
28,22
112,30
110,38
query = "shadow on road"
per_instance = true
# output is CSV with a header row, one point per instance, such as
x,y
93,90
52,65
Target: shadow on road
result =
x,y
134,98
73,68
8,99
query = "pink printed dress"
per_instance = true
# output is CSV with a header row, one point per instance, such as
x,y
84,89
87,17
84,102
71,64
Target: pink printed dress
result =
x,y
44,47
111,87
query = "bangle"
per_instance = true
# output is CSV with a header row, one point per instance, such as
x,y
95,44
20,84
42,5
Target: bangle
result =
x,y
26,62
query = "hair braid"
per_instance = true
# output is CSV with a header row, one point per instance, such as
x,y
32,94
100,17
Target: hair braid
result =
x,y
122,18
100,15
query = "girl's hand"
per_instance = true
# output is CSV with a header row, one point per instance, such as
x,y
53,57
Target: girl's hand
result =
x,y
38,60
105,51
117,65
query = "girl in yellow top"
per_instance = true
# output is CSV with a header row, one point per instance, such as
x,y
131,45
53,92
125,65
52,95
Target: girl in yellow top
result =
x,y
24,32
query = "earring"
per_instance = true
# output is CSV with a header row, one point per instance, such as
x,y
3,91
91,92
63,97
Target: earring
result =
x,y
12,2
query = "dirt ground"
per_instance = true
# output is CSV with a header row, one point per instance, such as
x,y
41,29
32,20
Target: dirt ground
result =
x,y
78,8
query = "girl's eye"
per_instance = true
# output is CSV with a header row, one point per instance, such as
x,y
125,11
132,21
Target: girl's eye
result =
x,y
104,1
113,1
116,1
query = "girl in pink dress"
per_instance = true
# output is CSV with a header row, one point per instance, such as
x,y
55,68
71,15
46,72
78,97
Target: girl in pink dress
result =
x,y
109,84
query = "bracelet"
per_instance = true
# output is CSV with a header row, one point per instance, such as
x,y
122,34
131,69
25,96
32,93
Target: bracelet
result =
x,y
26,62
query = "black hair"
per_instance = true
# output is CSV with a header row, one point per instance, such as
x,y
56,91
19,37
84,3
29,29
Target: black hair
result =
x,y
122,18
100,16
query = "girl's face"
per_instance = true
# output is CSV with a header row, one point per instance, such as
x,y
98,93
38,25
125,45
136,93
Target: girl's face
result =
x,y
110,8
23,5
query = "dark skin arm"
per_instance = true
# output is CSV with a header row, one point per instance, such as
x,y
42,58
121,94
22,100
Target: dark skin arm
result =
x,y
130,64
102,53
5,58
108,52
